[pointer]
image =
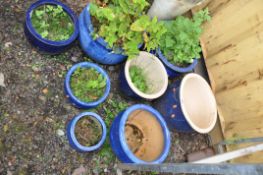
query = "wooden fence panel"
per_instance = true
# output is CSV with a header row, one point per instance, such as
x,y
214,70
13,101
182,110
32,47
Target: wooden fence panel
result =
x,y
232,44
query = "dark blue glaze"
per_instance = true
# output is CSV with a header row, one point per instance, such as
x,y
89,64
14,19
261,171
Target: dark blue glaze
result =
x,y
71,133
118,140
170,107
96,49
45,45
173,70
74,100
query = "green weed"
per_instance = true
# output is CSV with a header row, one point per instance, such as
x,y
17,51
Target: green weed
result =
x,y
138,78
87,84
52,22
125,24
180,44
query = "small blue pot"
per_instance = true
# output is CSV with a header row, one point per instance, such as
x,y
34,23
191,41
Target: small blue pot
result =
x,y
118,140
44,45
173,70
71,133
74,100
96,49
170,107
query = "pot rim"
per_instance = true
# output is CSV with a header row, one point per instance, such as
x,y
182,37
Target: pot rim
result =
x,y
211,96
46,41
73,136
165,61
166,133
135,89
99,39
97,68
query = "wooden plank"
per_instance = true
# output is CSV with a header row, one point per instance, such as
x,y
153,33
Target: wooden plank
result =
x,y
247,63
242,103
244,129
235,25
216,135
232,45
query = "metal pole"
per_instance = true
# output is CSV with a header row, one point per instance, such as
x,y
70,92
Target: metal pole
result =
x,y
222,168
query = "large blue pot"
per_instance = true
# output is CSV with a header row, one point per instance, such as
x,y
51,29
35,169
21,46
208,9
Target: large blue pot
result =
x,y
77,102
188,105
118,140
170,107
96,49
72,137
173,70
45,45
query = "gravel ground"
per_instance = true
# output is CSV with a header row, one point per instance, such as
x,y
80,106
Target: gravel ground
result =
x,y
34,110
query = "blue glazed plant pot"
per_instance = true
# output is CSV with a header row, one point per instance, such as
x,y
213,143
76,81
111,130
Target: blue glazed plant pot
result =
x,y
72,137
96,49
135,115
188,105
173,70
45,45
154,73
73,99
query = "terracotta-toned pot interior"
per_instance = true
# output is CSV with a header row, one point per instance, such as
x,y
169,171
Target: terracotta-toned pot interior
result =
x,y
144,135
198,103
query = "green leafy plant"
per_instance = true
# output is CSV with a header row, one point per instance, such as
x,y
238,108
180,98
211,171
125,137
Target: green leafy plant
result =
x,y
52,22
124,24
138,78
111,108
180,44
87,84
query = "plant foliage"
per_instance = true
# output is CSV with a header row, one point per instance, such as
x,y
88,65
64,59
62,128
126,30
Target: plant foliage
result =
x,y
180,44
111,109
124,24
138,78
87,84
52,22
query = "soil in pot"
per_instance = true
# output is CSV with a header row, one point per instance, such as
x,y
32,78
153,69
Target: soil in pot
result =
x,y
52,22
138,78
87,84
88,131
144,135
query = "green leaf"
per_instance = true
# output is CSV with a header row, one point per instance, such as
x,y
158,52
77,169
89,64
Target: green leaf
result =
x,y
140,24
44,34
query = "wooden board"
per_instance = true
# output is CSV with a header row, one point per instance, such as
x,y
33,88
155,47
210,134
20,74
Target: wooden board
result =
x,y
232,44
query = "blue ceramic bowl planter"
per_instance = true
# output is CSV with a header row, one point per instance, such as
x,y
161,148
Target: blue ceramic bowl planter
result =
x,y
72,137
173,70
118,140
189,105
154,72
96,49
45,45
73,99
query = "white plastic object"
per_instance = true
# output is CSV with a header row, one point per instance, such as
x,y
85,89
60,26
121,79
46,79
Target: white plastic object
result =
x,y
168,9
